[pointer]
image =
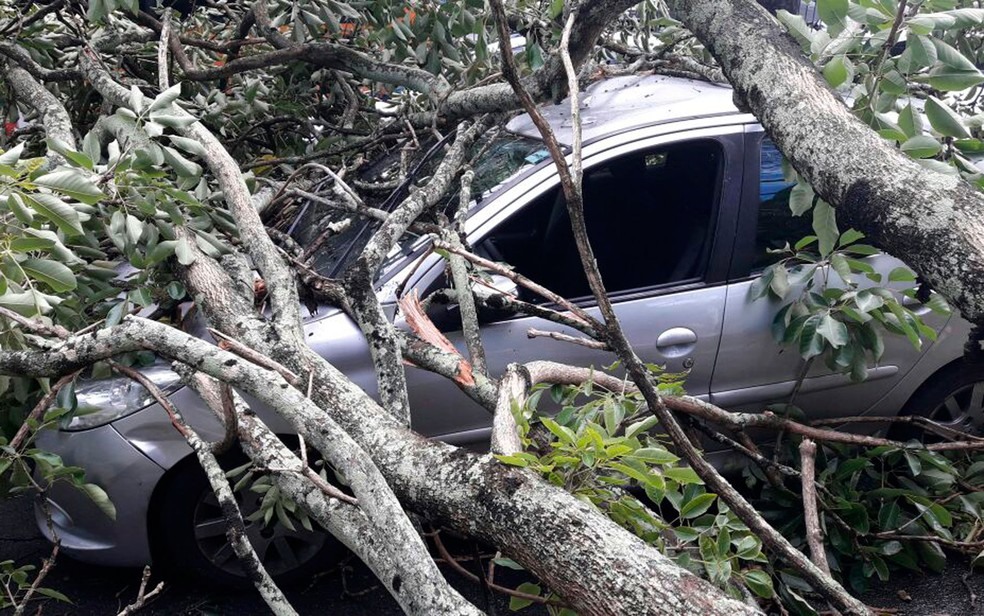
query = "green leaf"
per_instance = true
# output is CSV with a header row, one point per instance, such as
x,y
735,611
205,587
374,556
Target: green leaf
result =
x,y
509,563
184,252
171,120
76,158
910,121
53,594
56,275
797,27
760,583
30,244
800,198
563,433
944,120
760,287
849,237
954,71
191,146
780,281
811,342
834,15
825,226
20,208
919,52
901,274
72,183
697,506
893,83
834,331
61,214
518,603
927,22
841,266
165,98
682,475
100,498
837,71
921,146
175,290
11,156
136,99
888,515
181,165
915,465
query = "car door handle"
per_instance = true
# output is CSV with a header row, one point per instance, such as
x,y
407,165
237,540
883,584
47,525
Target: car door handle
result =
x,y
676,341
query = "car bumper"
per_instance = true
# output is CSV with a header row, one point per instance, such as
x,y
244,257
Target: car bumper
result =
x,y
127,476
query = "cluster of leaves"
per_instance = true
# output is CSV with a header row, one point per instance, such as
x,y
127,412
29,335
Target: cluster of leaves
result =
x,y
271,506
917,84
604,448
881,509
17,581
884,508
839,309
86,241
25,469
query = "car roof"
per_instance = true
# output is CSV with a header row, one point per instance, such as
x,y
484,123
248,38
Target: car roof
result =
x,y
622,103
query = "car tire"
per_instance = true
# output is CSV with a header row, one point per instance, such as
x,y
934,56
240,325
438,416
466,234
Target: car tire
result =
x,y
953,397
188,534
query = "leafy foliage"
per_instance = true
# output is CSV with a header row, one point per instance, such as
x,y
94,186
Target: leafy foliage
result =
x,y
884,508
881,509
836,312
912,76
604,448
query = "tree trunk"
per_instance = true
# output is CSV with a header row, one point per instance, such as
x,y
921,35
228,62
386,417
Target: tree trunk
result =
x,y
934,221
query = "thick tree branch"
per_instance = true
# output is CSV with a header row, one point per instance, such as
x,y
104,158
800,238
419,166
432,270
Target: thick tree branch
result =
x,y
930,219
376,500
236,527
56,121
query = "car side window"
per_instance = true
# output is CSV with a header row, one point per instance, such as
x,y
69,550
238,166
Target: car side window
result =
x,y
649,216
776,224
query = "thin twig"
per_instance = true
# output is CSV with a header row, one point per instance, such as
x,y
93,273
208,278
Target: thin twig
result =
x,y
33,325
585,342
453,562
227,343
142,595
523,281
39,409
43,573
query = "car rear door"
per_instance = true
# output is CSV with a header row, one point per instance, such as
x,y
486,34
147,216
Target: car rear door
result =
x,y
752,370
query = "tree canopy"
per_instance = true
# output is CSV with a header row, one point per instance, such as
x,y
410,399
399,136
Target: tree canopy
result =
x,y
178,144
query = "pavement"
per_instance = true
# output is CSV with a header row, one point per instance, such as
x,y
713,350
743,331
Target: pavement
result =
x,y
350,588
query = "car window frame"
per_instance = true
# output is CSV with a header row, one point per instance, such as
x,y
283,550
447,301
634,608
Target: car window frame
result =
x,y
743,256
520,192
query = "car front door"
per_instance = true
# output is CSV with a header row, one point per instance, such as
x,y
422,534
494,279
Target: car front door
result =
x,y
660,213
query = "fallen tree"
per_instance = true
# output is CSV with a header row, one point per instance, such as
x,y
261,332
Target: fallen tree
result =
x,y
221,236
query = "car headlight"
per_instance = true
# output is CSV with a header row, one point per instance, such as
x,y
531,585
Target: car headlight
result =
x,y
101,401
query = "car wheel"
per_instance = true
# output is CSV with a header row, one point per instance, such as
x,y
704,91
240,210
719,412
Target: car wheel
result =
x,y
190,534
953,398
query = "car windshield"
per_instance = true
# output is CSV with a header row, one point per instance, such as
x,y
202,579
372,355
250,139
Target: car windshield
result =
x,y
499,159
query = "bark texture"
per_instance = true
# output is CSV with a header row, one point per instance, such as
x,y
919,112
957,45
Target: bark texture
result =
x,y
934,221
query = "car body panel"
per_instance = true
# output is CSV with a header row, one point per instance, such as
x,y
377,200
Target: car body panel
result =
x,y
127,476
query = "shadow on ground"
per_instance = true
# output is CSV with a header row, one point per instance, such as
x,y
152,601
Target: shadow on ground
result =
x,y
350,588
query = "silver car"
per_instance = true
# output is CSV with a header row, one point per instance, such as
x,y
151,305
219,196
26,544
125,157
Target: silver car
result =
x,y
682,197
